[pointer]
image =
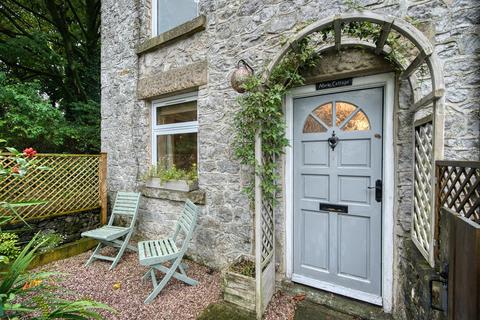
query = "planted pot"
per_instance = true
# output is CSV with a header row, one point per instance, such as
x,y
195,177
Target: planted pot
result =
x,y
239,283
178,185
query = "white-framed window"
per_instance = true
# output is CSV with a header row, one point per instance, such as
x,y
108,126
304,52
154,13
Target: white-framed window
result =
x,y
168,14
174,131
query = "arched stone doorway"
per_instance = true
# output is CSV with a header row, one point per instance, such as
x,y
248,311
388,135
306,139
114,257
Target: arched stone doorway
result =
x,y
420,66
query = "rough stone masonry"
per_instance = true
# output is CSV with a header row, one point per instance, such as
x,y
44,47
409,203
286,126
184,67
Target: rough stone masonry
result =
x,y
254,30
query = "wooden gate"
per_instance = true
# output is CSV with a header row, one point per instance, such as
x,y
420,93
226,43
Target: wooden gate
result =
x,y
458,190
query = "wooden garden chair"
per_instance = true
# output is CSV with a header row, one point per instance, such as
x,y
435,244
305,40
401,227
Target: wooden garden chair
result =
x,y
155,253
126,205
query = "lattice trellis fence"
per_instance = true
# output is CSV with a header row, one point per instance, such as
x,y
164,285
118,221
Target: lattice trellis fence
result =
x,y
423,217
72,183
264,242
268,235
458,184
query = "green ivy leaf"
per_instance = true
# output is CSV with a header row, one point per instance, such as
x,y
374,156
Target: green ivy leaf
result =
x,y
13,150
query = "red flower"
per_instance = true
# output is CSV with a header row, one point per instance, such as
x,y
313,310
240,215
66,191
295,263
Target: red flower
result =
x,y
29,152
15,169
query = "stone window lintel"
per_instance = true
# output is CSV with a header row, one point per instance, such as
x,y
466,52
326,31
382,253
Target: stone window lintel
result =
x,y
186,29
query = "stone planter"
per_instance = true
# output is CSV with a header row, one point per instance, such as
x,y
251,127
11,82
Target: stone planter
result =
x,y
239,289
178,185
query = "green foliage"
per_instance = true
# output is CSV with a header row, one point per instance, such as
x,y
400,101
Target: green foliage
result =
x,y
50,54
363,30
261,106
27,295
9,248
29,119
55,42
24,162
46,241
244,267
37,293
261,111
172,173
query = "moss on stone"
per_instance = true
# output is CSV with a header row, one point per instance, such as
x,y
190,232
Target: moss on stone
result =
x,y
62,252
225,311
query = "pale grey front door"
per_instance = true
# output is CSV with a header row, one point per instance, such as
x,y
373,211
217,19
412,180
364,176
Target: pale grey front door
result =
x,y
337,191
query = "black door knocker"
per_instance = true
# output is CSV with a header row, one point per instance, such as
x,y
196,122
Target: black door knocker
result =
x,y
333,141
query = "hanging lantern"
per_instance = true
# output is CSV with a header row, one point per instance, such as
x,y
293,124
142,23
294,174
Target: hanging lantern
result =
x,y
240,75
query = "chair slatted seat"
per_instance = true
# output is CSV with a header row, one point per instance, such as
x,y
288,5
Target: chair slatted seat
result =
x,y
154,253
126,205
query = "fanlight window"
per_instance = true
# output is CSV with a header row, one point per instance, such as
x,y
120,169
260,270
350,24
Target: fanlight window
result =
x,y
347,117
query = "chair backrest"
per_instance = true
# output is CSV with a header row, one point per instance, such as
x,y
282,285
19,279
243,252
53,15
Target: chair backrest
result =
x,y
186,223
126,204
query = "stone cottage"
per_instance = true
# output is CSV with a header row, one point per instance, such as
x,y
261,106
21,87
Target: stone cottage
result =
x,y
348,219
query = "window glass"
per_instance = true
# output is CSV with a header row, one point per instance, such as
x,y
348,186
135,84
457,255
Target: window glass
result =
x,y
172,13
182,112
347,116
311,126
179,150
324,113
343,111
359,122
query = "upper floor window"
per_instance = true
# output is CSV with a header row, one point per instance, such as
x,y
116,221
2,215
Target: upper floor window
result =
x,y
168,14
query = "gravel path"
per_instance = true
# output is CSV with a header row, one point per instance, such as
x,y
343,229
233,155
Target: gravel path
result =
x,y
282,307
123,290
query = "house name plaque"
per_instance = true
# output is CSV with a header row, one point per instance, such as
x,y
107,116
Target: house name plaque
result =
x,y
334,83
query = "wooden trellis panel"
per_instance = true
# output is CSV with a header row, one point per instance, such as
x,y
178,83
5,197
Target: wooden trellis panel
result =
x,y
72,183
423,216
264,243
458,184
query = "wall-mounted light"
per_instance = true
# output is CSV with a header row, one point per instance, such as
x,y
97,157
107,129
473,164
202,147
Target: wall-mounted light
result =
x,y
240,75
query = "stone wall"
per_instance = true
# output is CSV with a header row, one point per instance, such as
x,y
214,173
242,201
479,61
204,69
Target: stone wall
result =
x,y
254,30
69,226
418,273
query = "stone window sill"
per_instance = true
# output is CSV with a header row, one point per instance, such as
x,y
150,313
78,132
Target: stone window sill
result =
x,y
186,29
196,196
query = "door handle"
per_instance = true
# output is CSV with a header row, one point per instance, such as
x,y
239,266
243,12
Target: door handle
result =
x,y
378,190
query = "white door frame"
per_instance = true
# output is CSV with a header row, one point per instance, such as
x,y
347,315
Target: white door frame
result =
x,y
387,80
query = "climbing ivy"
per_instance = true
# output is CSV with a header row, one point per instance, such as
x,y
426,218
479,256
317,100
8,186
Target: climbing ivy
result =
x,y
261,105
261,110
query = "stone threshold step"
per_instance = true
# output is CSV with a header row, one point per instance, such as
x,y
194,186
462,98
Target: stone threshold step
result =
x,y
330,306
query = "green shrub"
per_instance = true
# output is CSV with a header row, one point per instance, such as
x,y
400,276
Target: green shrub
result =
x,y
172,173
9,248
48,241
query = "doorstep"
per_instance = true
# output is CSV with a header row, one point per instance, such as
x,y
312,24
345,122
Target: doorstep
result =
x,y
307,310
329,305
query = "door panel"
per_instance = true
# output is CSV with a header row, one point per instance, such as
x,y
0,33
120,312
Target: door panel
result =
x,y
353,189
354,153
315,225
315,153
353,239
311,183
334,247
